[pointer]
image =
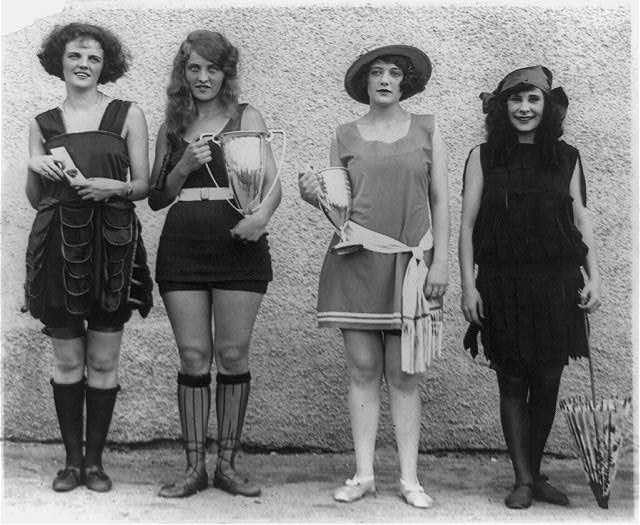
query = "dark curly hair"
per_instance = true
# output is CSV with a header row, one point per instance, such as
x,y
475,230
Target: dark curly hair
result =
x,y
502,138
212,46
116,56
412,81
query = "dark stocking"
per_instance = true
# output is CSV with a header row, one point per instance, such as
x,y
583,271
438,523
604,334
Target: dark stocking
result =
x,y
515,424
542,410
194,400
100,404
69,402
232,395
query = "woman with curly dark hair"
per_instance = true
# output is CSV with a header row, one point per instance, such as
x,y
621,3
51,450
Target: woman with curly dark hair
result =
x,y
212,260
85,260
526,227
386,298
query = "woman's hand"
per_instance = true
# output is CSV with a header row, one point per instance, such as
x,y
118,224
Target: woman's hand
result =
x,y
309,185
251,227
437,280
47,167
590,296
197,153
471,305
99,188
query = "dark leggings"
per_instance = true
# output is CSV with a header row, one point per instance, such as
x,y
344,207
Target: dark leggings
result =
x,y
527,410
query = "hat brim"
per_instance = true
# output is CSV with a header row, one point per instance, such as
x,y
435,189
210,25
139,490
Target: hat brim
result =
x,y
418,58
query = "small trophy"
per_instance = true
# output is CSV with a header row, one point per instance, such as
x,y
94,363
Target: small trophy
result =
x,y
245,154
335,201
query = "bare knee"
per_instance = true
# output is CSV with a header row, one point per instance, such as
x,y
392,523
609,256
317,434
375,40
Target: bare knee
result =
x,y
233,358
365,372
102,363
195,360
401,381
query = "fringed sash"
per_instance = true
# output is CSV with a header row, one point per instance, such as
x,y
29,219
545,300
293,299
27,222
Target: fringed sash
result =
x,y
421,318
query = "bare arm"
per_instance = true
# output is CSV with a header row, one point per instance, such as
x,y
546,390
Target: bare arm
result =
x,y
254,225
590,295
471,302
438,275
195,155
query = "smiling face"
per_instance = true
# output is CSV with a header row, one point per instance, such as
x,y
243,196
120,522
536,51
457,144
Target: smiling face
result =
x,y
525,110
383,83
203,77
82,62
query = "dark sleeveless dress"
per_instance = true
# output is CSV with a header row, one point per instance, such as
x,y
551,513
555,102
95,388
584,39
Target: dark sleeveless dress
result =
x,y
529,253
86,258
196,244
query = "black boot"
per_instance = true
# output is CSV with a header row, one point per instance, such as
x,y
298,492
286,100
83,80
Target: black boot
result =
x,y
515,427
232,395
100,404
542,410
194,400
69,401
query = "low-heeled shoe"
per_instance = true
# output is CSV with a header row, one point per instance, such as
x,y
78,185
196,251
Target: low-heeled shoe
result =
x,y
353,490
193,482
544,491
520,497
96,479
233,483
67,479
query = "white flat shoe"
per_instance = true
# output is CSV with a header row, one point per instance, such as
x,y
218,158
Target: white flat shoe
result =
x,y
354,489
415,495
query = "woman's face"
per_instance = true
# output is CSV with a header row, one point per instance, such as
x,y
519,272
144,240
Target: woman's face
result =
x,y
525,110
203,77
383,84
82,62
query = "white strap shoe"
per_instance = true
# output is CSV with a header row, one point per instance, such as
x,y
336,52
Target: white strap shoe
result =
x,y
354,489
415,495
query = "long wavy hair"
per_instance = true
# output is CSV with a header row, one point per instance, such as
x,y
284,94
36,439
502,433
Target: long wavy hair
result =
x,y
181,109
502,137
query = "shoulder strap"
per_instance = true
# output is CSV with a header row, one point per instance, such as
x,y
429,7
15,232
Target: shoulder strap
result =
x,y
236,121
114,116
50,123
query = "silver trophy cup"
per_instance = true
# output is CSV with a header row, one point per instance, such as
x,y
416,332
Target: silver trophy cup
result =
x,y
335,201
245,158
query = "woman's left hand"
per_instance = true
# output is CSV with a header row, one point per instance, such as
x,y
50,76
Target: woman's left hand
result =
x,y
98,189
590,296
437,281
251,227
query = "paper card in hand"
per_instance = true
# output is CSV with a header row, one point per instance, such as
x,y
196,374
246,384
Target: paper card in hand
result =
x,y
63,159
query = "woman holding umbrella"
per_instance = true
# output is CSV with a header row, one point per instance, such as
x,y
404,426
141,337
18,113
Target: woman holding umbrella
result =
x,y
525,224
86,264
397,167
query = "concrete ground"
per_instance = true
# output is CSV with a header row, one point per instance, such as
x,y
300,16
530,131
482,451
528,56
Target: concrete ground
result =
x,y
298,488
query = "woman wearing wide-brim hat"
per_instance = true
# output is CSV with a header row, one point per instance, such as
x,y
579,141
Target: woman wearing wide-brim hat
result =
x,y
387,297
526,227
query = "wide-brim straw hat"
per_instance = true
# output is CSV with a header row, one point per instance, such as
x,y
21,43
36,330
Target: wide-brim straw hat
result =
x,y
418,58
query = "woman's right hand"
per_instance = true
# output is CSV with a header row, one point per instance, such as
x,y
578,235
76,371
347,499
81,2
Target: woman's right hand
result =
x,y
308,185
47,167
197,153
471,305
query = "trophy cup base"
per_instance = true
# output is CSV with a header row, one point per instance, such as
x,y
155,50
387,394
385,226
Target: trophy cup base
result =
x,y
346,248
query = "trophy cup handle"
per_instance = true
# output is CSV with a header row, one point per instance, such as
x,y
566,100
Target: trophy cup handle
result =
x,y
210,136
269,138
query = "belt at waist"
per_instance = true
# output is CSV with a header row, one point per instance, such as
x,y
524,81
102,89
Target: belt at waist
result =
x,y
205,194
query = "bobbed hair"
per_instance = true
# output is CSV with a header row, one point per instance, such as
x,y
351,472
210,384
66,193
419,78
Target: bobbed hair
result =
x,y
116,56
412,81
214,47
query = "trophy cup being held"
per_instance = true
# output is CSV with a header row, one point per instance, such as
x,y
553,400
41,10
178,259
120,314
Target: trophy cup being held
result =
x,y
335,201
245,158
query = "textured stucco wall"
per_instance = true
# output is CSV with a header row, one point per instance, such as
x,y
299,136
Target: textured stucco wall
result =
x,y
293,61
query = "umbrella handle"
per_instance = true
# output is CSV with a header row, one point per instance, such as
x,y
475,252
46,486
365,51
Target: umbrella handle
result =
x,y
593,386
